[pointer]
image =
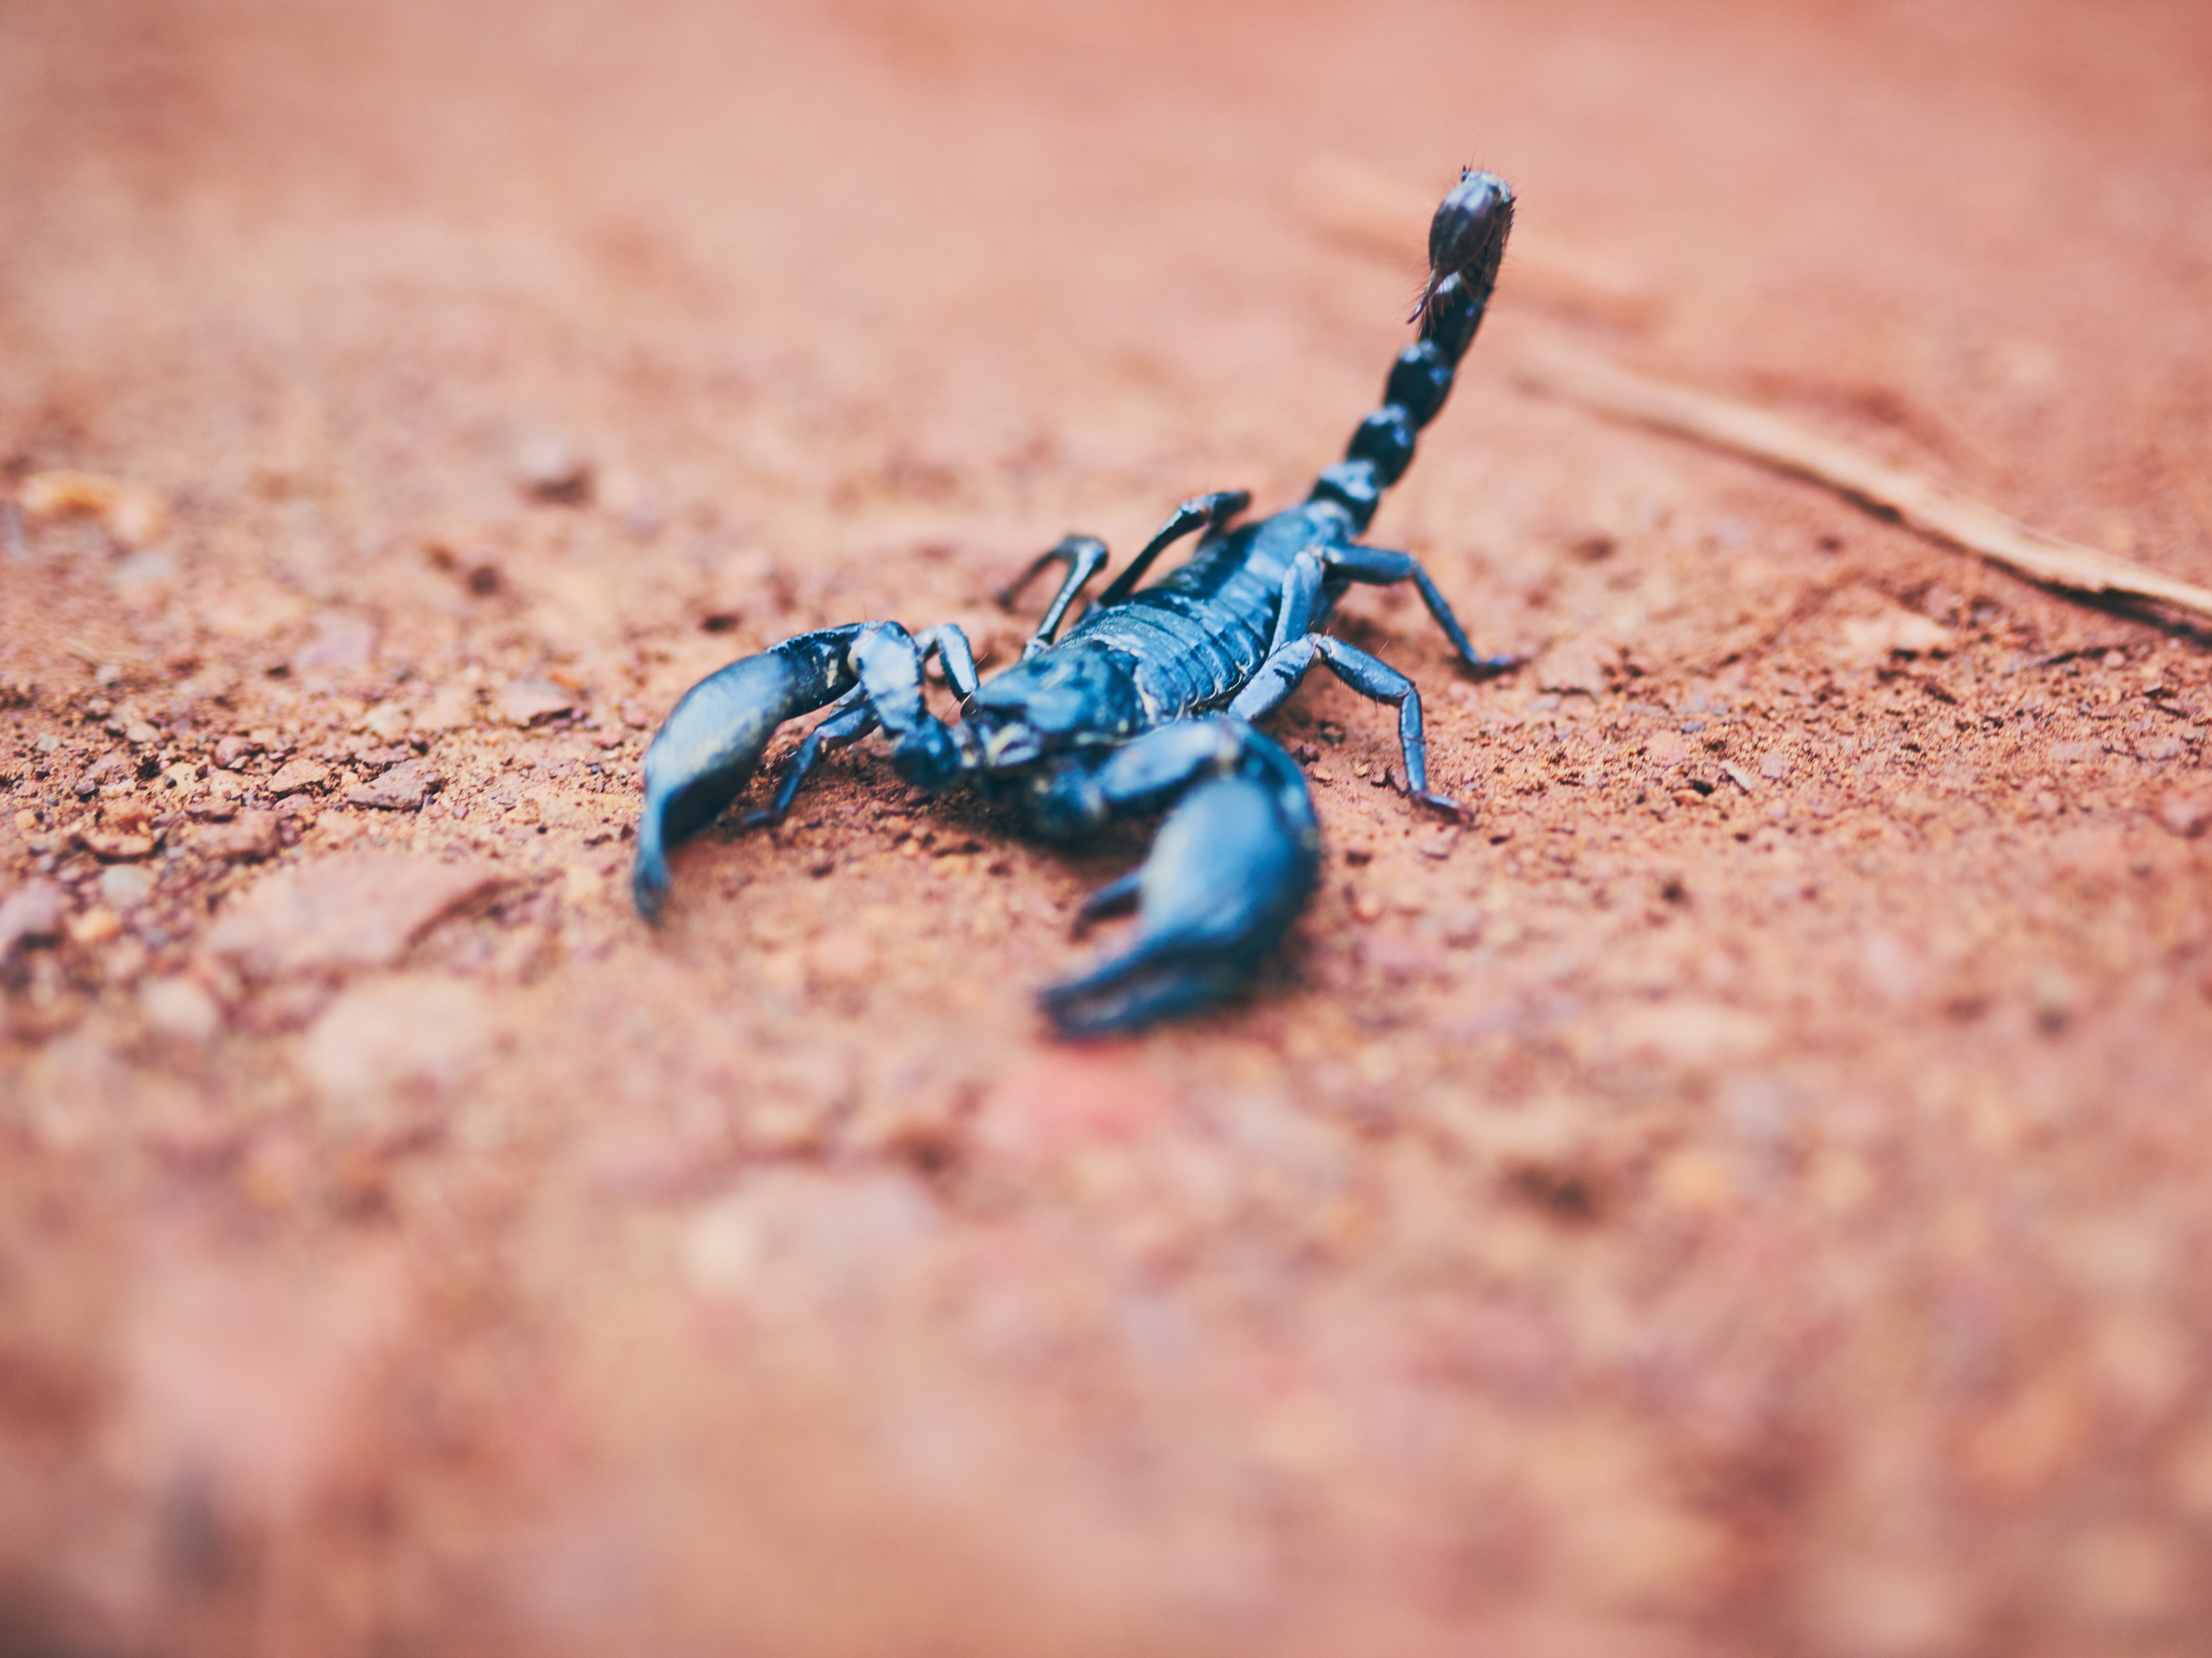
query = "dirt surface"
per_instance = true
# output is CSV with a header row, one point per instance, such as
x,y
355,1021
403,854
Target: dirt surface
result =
x,y
1735,1196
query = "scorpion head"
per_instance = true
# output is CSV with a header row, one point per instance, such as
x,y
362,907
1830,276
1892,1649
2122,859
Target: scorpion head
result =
x,y
1051,703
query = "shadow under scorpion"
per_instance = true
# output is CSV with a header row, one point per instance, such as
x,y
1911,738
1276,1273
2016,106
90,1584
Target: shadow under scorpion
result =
x,y
1148,702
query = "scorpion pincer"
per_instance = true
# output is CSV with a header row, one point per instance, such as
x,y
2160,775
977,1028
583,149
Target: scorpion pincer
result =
x,y
1150,700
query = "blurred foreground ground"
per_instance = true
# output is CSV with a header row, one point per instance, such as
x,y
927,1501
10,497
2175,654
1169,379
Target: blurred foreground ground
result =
x,y
1736,1197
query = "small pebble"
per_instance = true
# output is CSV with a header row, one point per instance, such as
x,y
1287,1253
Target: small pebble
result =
x,y
527,701
294,775
549,467
247,839
32,914
405,787
95,926
387,722
126,886
2186,813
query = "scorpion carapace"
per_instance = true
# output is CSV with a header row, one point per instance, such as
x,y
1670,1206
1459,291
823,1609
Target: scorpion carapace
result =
x,y
1150,700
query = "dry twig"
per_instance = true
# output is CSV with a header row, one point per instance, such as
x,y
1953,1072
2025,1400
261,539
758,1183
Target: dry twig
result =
x,y
1919,501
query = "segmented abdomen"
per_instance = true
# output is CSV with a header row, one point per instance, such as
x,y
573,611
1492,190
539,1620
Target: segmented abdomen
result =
x,y
1199,635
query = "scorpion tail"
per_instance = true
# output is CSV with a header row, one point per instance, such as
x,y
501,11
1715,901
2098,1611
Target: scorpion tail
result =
x,y
714,737
1233,864
1466,242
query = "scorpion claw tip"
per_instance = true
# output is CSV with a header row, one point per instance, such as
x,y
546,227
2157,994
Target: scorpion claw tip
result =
x,y
648,892
1457,810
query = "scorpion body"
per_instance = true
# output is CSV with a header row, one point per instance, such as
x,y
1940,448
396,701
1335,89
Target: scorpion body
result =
x,y
1149,700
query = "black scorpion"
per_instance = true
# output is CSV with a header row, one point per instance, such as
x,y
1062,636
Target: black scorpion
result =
x,y
1105,722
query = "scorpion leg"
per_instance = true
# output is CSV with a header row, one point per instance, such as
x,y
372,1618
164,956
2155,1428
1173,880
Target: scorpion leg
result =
x,y
714,737
1373,567
1084,555
1279,675
1233,865
850,720
1317,568
852,717
1199,512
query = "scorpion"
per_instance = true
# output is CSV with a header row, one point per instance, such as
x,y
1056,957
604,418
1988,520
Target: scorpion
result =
x,y
1150,700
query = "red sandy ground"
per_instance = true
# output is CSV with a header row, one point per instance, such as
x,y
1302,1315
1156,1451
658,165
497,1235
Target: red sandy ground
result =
x,y
1737,1197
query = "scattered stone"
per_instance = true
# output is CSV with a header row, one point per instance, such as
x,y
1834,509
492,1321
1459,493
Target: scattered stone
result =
x,y
247,839
2186,813
527,701
352,909
1459,924
2054,998
234,749
294,775
1774,766
30,914
1864,640
110,847
549,467
452,708
405,787
388,722
141,734
109,768
178,1007
133,513
126,886
95,926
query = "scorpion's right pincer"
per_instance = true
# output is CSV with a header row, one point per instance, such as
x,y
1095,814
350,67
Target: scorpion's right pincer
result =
x,y
1149,701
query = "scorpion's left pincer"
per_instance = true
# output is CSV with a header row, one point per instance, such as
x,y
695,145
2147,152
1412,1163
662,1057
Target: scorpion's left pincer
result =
x,y
713,738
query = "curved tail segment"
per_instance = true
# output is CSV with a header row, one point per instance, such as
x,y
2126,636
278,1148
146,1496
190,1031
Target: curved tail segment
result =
x,y
1467,241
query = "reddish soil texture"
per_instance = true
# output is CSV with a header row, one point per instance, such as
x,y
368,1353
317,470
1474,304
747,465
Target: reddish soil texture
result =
x,y
1734,1196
